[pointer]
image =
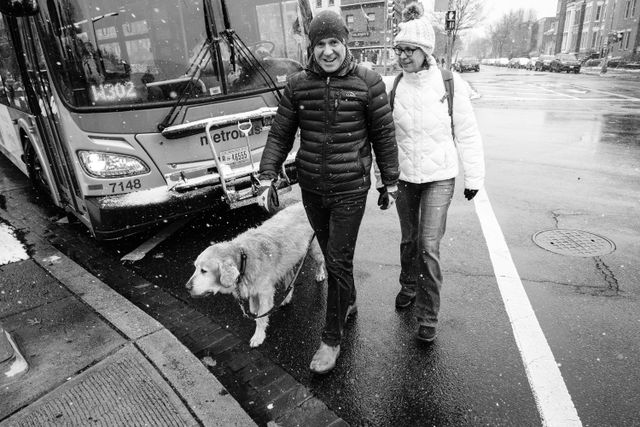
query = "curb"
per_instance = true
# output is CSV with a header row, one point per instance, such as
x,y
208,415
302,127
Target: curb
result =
x,y
205,396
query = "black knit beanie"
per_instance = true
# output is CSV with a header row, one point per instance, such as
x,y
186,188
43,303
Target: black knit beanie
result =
x,y
327,24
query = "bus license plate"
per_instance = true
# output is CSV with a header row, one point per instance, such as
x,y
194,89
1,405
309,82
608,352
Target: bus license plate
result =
x,y
235,156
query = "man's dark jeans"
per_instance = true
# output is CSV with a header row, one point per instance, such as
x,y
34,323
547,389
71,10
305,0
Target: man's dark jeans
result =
x,y
336,220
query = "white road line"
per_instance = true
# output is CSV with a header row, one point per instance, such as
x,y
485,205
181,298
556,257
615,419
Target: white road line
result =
x,y
556,92
633,98
141,251
515,98
549,390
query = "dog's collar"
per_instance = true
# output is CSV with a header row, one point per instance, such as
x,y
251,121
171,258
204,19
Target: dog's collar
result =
x,y
243,265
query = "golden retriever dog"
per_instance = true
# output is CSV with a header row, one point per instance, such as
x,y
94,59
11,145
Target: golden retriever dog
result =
x,y
271,253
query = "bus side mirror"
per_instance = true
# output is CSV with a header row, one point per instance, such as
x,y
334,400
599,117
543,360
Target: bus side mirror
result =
x,y
19,7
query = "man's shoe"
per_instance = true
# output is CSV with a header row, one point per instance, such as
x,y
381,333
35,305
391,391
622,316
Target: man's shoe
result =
x,y
404,300
426,333
325,359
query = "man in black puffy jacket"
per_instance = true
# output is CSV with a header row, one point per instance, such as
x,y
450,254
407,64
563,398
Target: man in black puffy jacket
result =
x,y
343,114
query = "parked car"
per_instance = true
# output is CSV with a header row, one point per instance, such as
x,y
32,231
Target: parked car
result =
x,y
565,62
543,62
467,64
531,63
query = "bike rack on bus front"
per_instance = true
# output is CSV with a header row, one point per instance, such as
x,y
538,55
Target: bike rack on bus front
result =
x,y
243,120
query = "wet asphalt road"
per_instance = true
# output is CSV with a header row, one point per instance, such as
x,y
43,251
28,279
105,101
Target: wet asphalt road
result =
x,y
562,152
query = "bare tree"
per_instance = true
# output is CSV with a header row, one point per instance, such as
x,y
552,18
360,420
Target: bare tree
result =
x,y
479,47
511,35
469,13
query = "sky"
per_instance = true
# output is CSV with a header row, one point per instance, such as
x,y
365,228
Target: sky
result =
x,y
497,8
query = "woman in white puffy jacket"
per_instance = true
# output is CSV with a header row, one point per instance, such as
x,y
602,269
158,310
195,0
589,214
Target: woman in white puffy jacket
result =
x,y
429,163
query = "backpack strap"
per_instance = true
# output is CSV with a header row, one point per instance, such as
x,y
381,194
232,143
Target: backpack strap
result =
x,y
392,94
447,78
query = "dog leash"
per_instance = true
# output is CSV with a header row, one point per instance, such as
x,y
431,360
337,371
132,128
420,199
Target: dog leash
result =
x,y
247,313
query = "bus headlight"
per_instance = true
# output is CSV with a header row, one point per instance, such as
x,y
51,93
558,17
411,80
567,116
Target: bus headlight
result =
x,y
109,165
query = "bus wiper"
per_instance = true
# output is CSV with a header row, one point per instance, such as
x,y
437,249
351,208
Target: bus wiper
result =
x,y
236,44
200,61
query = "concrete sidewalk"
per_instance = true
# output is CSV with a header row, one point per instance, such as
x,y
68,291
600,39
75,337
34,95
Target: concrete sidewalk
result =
x,y
94,357
612,72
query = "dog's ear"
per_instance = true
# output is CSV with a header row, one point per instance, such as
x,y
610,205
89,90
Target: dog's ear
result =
x,y
228,273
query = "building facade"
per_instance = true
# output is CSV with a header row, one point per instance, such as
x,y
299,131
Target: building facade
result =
x,y
317,5
545,36
592,28
625,22
368,34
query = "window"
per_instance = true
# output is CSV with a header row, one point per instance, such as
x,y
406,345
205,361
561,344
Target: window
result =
x,y
318,3
627,39
627,9
331,2
587,14
594,40
598,12
12,91
633,8
350,19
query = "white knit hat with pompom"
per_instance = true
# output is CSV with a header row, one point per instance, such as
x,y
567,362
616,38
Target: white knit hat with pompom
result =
x,y
415,29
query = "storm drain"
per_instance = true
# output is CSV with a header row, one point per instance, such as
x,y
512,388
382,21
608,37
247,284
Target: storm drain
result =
x,y
573,243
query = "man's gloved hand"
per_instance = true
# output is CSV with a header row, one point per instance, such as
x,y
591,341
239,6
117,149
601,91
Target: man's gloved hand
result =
x,y
388,196
268,196
470,194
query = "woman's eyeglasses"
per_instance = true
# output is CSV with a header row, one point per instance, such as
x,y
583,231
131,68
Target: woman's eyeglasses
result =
x,y
408,51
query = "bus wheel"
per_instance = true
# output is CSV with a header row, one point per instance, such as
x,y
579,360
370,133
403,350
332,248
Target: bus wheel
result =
x,y
36,172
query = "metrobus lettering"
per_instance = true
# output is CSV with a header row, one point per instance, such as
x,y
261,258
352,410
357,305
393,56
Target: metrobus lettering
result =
x,y
229,135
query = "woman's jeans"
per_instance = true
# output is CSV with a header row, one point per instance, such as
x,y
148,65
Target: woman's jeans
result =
x,y
422,209
336,220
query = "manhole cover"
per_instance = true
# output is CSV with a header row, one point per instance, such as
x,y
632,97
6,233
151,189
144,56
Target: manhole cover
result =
x,y
573,243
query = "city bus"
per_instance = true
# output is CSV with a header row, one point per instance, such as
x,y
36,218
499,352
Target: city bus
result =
x,y
130,113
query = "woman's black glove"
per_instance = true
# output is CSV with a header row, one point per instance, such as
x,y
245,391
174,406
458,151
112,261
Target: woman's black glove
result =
x,y
470,194
387,197
268,196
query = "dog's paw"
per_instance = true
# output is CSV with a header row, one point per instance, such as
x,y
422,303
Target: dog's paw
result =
x,y
257,338
320,275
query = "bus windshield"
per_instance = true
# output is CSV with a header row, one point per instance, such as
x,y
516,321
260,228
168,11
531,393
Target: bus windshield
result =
x,y
127,53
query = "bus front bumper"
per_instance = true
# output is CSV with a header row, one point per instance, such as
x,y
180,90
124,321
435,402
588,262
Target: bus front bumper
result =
x,y
114,217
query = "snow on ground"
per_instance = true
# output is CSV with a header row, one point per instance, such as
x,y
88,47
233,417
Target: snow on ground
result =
x,y
11,249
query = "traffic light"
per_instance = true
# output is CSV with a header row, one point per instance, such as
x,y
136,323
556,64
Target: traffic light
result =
x,y
450,20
